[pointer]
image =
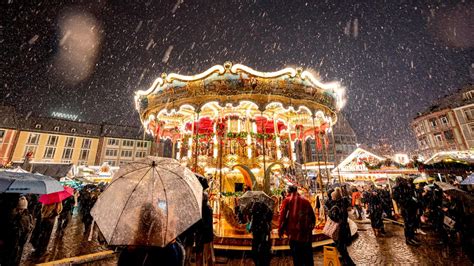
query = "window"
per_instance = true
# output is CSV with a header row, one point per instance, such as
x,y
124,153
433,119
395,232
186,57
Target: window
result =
x,y
127,143
433,122
140,154
38,126
67,154
444,120
88,131
2,133
33,138
73,130
471,127
56,128
52,140
111,163
86,144
113,142
49,152
84,155
111,152
142,144
438,138
126,153
448,135
70,141
469,114
468,95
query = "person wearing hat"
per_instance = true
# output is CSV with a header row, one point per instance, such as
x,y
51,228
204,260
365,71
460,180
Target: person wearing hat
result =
x,y
21,224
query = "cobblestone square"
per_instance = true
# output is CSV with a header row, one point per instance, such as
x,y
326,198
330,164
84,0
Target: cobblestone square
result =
x,y
366,249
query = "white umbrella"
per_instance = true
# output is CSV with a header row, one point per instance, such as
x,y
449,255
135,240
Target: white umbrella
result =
x,y
16,182
148,203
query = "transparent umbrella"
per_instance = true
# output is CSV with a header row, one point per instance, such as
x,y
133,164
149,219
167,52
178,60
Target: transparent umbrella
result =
x,y
255,196
148,203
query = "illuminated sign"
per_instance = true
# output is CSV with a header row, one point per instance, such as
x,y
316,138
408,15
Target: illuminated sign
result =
x,y
64,116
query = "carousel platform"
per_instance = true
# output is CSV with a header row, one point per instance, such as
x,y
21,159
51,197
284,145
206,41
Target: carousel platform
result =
x,y
236,239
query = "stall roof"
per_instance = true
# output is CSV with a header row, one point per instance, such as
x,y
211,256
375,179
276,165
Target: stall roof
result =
x,y
55,170
466,156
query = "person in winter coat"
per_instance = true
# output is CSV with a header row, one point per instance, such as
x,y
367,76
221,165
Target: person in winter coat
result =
x,y
387,202
21,224
404,195
48,217
338,213
205,235
297,221
261,226
376,212
66,215
356,203
172,255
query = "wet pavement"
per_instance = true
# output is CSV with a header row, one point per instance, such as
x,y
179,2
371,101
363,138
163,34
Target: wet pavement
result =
x,y
365,250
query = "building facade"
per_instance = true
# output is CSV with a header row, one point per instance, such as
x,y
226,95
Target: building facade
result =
x,y
465,117
8,132
445,126
52,140
122,144
340,144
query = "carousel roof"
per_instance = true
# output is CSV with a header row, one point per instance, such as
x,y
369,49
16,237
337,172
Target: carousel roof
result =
x,y
234,84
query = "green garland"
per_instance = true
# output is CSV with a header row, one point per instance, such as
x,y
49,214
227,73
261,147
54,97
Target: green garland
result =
x,y
232,194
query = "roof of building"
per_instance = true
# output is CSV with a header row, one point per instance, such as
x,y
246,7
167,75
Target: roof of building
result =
x,y
55,170
9,118
119,131
451,101
60,126
343,127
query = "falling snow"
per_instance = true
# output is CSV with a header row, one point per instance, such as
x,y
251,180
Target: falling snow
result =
x,y
393,59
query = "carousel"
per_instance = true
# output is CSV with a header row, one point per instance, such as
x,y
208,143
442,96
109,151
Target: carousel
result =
x,y
242,129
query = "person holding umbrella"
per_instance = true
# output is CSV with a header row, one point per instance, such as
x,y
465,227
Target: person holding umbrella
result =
x,y
146,206
260,227
172,254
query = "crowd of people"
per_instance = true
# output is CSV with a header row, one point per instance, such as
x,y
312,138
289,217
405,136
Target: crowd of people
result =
x,y
27,219
420,205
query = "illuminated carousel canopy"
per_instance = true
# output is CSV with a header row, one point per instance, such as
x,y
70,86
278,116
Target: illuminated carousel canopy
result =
x,y
233,116
291,93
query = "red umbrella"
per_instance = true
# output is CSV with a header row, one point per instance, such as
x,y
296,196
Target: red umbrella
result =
x,y
56,196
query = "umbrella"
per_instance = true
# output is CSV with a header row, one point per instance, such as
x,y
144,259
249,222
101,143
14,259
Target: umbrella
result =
x,y
148,203
11,182
468,181
448,188
255,196
56,196
361,183
422,179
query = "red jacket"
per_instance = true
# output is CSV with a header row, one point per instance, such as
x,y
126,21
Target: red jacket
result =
x,y
297,218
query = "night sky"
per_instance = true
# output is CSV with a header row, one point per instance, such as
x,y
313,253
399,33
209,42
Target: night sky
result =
x,y
88,57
